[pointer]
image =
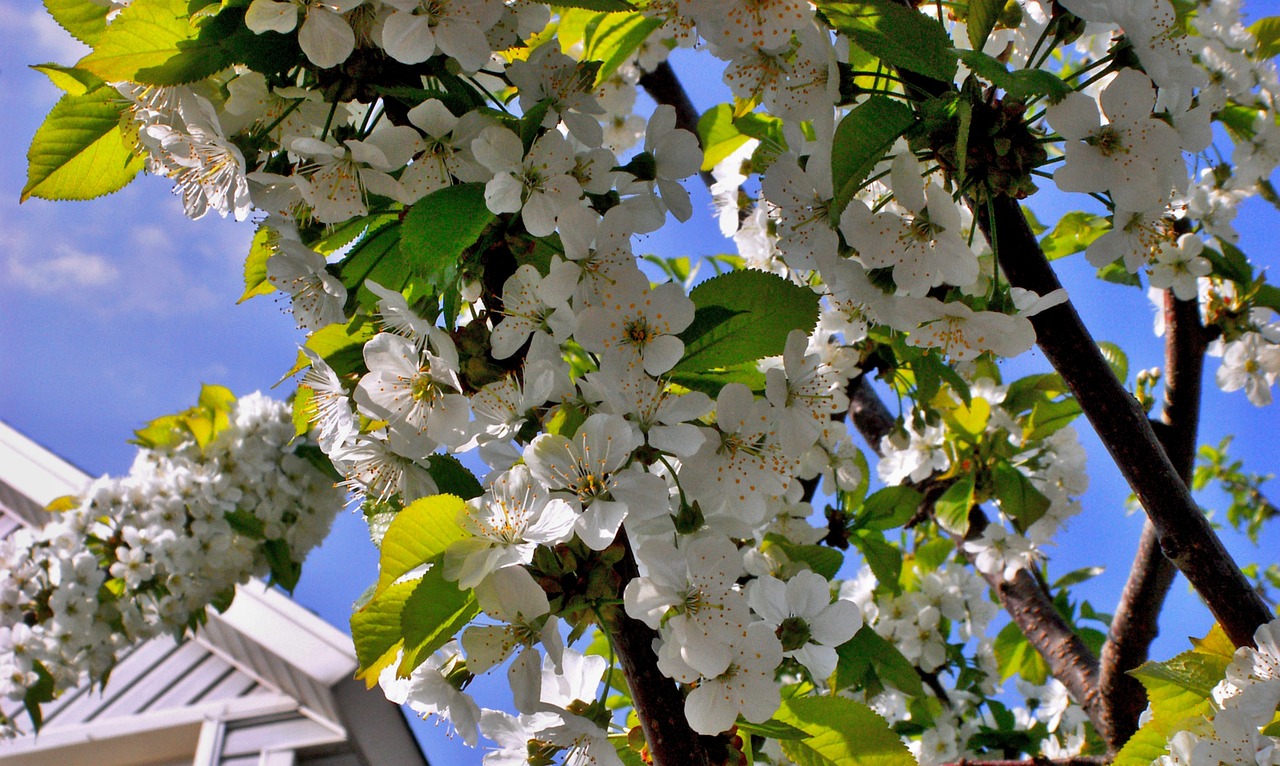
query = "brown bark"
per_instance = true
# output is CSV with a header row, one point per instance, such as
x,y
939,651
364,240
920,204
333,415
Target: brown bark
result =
x,y
1135,625
1182,530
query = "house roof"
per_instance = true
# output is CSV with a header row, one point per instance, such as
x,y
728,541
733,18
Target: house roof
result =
x,y
265,682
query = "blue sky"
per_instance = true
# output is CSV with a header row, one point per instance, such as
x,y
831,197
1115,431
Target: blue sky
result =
x,y
116,310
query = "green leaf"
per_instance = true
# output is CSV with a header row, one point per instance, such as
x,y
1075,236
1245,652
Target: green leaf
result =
x,y
951,511
84,20
1019,498
743,316
711,382
612,37
255,266
719,136
867,652
597,5
452,478
983,15
1176,685
1019,85
1239,120
376,630
440,227
1116,358
1073,233
821,559
861,140
1014,654
154,42
77,82
888,508
341,346
376,256
772,729
1077,576
1048,417
1267,295
285,572
38,694
433,614
1267,32
841,732
1232,263
897,35
79,152
884,558
419,533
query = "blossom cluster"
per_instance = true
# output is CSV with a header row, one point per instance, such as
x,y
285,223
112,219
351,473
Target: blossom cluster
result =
x,y
143,554
450,195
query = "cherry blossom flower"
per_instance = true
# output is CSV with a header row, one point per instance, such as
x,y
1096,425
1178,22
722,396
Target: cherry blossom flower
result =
x,y
325,36
316,295
508,522
638,325
415,28
591,467
538,185
1135,156
809,625
925,248
414,390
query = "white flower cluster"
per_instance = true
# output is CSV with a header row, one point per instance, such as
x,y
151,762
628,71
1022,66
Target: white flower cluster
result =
x,y
144,554
1245,703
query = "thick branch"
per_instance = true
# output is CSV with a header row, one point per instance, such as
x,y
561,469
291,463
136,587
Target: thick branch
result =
x,y
657,700
1184,533
1135,625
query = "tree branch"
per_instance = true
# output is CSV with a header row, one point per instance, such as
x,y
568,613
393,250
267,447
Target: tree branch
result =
x,y
1182,530
1023,596
1135,624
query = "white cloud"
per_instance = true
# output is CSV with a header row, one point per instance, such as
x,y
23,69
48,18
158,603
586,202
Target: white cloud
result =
x,y
66,270
39,34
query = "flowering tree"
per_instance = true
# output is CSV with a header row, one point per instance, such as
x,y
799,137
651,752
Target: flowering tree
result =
x,y
448,192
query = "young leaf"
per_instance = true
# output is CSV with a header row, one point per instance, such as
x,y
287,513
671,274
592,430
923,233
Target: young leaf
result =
x,y
884,559
952,509
861,140
341,346
80,152
888,508
743,316
419,533
897,35
154,42
84,20
1073,233
434,613
821,559
1267,32
376,630
1019,498
77,82
1050,416
613,37
841,731
440,227
719,136
1015,655
255,266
